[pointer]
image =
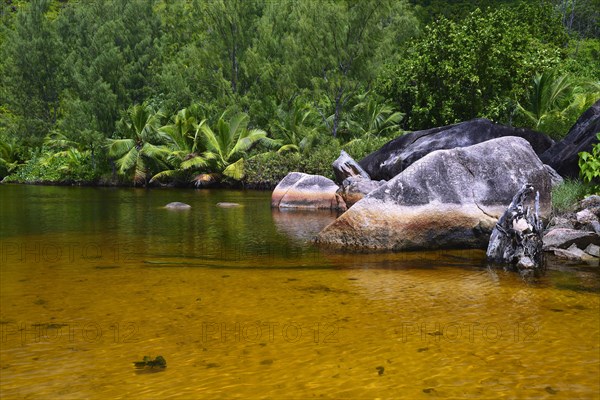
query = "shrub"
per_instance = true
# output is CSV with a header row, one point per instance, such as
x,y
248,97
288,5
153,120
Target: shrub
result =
x,y
566,195
589,165
70,166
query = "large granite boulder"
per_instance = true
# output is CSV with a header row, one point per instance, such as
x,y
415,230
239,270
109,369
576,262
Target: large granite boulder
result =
x,y
447,199
398,154
345,167
564,155
303,191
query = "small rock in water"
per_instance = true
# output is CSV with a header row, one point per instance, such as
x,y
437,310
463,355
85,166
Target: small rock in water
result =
x,y
176,205
227,205
380,370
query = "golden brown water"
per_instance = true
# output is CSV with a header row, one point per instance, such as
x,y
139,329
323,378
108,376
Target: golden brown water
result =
x,y
240,305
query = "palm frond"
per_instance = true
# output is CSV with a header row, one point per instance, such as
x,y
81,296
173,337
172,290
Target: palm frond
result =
x,y
195,162
128,161
235,170
170,173
119,147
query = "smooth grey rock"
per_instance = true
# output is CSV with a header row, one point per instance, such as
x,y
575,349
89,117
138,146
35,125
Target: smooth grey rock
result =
x,y
593,250
561,222
303,191
345,167
562,238
354,188
555,177
563,156
574,253
447,199
176,205
398,154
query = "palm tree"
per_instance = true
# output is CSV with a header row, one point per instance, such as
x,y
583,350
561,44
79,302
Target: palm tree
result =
x,y
555,101
226,147
296,129
184,146
376,118
143,149
9,159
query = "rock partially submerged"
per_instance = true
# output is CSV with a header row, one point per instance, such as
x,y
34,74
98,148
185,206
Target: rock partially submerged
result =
x,y
303,191
176,205
225,204
447,199
398,154
517,237
563,238
564,155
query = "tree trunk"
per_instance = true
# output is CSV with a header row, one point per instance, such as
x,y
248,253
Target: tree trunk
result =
x,y
517,238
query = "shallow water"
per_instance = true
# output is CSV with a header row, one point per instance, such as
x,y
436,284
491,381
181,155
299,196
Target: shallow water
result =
x,y
241,305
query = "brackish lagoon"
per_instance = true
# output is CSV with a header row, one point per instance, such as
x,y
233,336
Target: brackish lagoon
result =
x,y
240,304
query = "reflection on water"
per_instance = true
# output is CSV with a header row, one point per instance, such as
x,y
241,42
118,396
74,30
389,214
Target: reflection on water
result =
x,y
302,225
240,304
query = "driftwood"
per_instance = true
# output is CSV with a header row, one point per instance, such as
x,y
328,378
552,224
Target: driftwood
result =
x,y
517,238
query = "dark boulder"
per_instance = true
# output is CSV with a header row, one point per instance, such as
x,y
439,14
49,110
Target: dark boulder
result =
x,y
447,199
564,155
345,167
398,154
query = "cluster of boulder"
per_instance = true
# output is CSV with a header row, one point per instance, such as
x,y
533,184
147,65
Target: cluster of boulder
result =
x,y
575,236
446,187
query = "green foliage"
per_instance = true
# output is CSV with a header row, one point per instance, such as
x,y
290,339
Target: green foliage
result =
x,y
108,50
327,51
9,157
472,68
228,143
72,73
566,195
266,170
68,166
141,151
556,101
31,77
589,165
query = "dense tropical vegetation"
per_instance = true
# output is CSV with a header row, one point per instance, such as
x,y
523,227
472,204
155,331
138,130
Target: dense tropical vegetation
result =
x,y
242,91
